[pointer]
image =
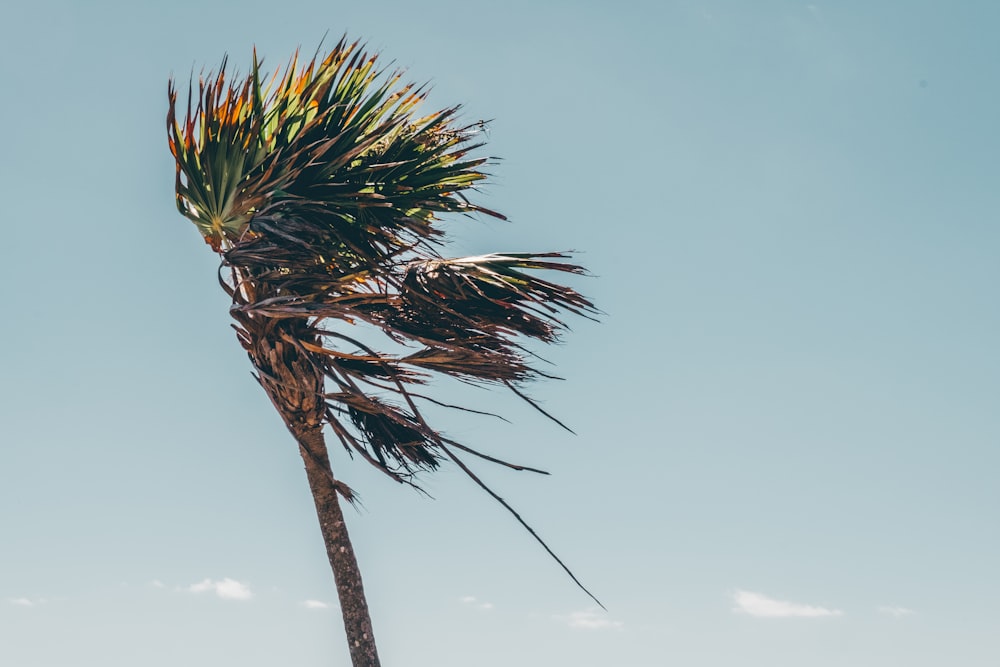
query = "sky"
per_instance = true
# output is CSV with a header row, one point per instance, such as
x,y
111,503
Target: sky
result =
x,y
786,420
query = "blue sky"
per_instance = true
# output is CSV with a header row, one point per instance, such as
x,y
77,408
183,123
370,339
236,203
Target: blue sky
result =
x,y
787,420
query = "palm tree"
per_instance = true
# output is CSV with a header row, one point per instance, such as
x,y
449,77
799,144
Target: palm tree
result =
x,y
321,189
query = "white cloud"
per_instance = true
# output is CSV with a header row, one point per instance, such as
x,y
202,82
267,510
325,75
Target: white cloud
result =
x,y
315,604
23,602
761,606
227,589
156,583
895,611
590,619
473,602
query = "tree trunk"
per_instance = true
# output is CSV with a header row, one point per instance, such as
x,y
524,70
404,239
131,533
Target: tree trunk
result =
x,y
346,574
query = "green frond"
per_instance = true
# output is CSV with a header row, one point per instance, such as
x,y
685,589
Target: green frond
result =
x,y
321,185
335,137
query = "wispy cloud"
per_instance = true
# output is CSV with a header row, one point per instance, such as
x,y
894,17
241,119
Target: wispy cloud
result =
x,y
590,619
897,612
156,583
315,604
227,589
761,606
478,604
25,602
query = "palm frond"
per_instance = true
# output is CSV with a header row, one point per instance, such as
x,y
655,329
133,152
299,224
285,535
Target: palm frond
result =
x,y
334,141
321,187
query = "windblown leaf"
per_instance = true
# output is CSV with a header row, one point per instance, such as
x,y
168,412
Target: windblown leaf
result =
x,y
321,188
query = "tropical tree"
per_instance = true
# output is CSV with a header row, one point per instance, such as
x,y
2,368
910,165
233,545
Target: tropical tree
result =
x,y
321,188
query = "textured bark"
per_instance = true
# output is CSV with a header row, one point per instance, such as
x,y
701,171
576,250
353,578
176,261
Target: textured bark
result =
x,y
354,607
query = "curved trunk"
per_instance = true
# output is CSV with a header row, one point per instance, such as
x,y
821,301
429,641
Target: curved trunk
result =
x,y
346,574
